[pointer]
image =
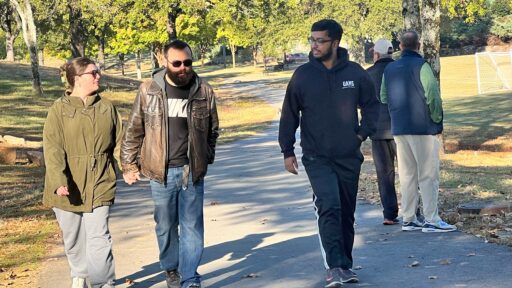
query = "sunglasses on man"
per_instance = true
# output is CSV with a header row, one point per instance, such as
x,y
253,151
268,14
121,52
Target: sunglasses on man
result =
x,y
177,63
94,73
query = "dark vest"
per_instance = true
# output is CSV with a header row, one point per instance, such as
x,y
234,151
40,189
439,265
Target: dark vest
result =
x,y
407,104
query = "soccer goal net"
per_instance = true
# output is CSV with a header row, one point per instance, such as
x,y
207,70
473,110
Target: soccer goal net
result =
x,y
493,71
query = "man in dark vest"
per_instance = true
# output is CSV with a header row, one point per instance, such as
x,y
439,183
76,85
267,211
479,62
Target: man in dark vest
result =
x,y
383,145
411,91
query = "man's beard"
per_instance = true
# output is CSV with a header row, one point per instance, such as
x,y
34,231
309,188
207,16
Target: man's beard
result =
x,y
181,78
326,56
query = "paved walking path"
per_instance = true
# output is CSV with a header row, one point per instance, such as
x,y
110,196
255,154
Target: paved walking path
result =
x,y
261,232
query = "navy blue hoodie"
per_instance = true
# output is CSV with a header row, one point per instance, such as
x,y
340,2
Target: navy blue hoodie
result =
x,y
324,102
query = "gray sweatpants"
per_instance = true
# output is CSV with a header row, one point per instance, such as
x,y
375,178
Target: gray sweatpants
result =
x,y
88,245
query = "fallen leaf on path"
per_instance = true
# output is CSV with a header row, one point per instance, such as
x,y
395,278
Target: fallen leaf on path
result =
x,y
129,281
445,262
414,264
251,275
3,269
358,267
432,277
471,254
410,256
213,203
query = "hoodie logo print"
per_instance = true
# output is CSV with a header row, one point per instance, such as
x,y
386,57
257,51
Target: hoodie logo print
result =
x,y
348,84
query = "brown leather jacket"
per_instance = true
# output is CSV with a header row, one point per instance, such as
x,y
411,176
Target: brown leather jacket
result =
x,y
147,131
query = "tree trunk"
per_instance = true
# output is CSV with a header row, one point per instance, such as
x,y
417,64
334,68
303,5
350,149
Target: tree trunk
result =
x,y
11,24
411,14
137,63
254,55
101,51
224,55
430,24
121,61
357,52
431,21
154,59
30,37
42,56
9,46
171,21
233,54
77,31
412,17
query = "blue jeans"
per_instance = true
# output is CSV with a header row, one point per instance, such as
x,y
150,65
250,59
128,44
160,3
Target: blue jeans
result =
x,y
184,207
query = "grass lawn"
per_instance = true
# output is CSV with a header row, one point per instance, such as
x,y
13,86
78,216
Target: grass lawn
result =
x,y
26,227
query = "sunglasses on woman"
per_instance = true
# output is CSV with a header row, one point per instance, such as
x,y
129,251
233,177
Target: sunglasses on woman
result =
x,y
94,73
177,63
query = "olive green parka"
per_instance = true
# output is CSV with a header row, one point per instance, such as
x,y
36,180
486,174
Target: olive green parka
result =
x,y
80,142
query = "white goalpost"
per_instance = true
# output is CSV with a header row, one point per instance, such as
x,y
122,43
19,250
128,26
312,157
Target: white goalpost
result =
x,y
493,71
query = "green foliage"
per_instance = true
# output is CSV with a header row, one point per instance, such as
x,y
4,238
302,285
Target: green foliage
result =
x,y
469,10
456,32
500,8
197,27
502,27
143,24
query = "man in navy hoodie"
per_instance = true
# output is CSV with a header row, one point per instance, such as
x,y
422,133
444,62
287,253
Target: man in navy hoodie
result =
x,y
323,96
411,91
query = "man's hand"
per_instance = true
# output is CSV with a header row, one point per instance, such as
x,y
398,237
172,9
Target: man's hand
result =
x,y
131,177
291,165
62,191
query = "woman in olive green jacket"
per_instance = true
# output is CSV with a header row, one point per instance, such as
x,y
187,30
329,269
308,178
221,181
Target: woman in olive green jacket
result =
x,y
81,138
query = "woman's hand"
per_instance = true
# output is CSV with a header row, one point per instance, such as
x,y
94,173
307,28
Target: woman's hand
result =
x,y
62,191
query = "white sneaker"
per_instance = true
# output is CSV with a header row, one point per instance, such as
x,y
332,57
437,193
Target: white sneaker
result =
x,y
78,283
439,226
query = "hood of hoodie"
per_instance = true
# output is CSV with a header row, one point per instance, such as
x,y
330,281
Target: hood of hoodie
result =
x,y
342,61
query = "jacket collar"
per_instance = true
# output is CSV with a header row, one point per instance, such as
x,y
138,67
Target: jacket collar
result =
x,y
77,102
410,53
384,60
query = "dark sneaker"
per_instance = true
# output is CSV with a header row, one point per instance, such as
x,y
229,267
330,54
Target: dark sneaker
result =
x,y
439,226
194,285
172,278
412,226
333,278
348,276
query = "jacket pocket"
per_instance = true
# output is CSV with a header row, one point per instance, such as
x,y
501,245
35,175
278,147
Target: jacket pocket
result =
x,y
200,115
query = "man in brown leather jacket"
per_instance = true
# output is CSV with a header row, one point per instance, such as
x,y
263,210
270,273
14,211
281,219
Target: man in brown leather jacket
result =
x,y
173,129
